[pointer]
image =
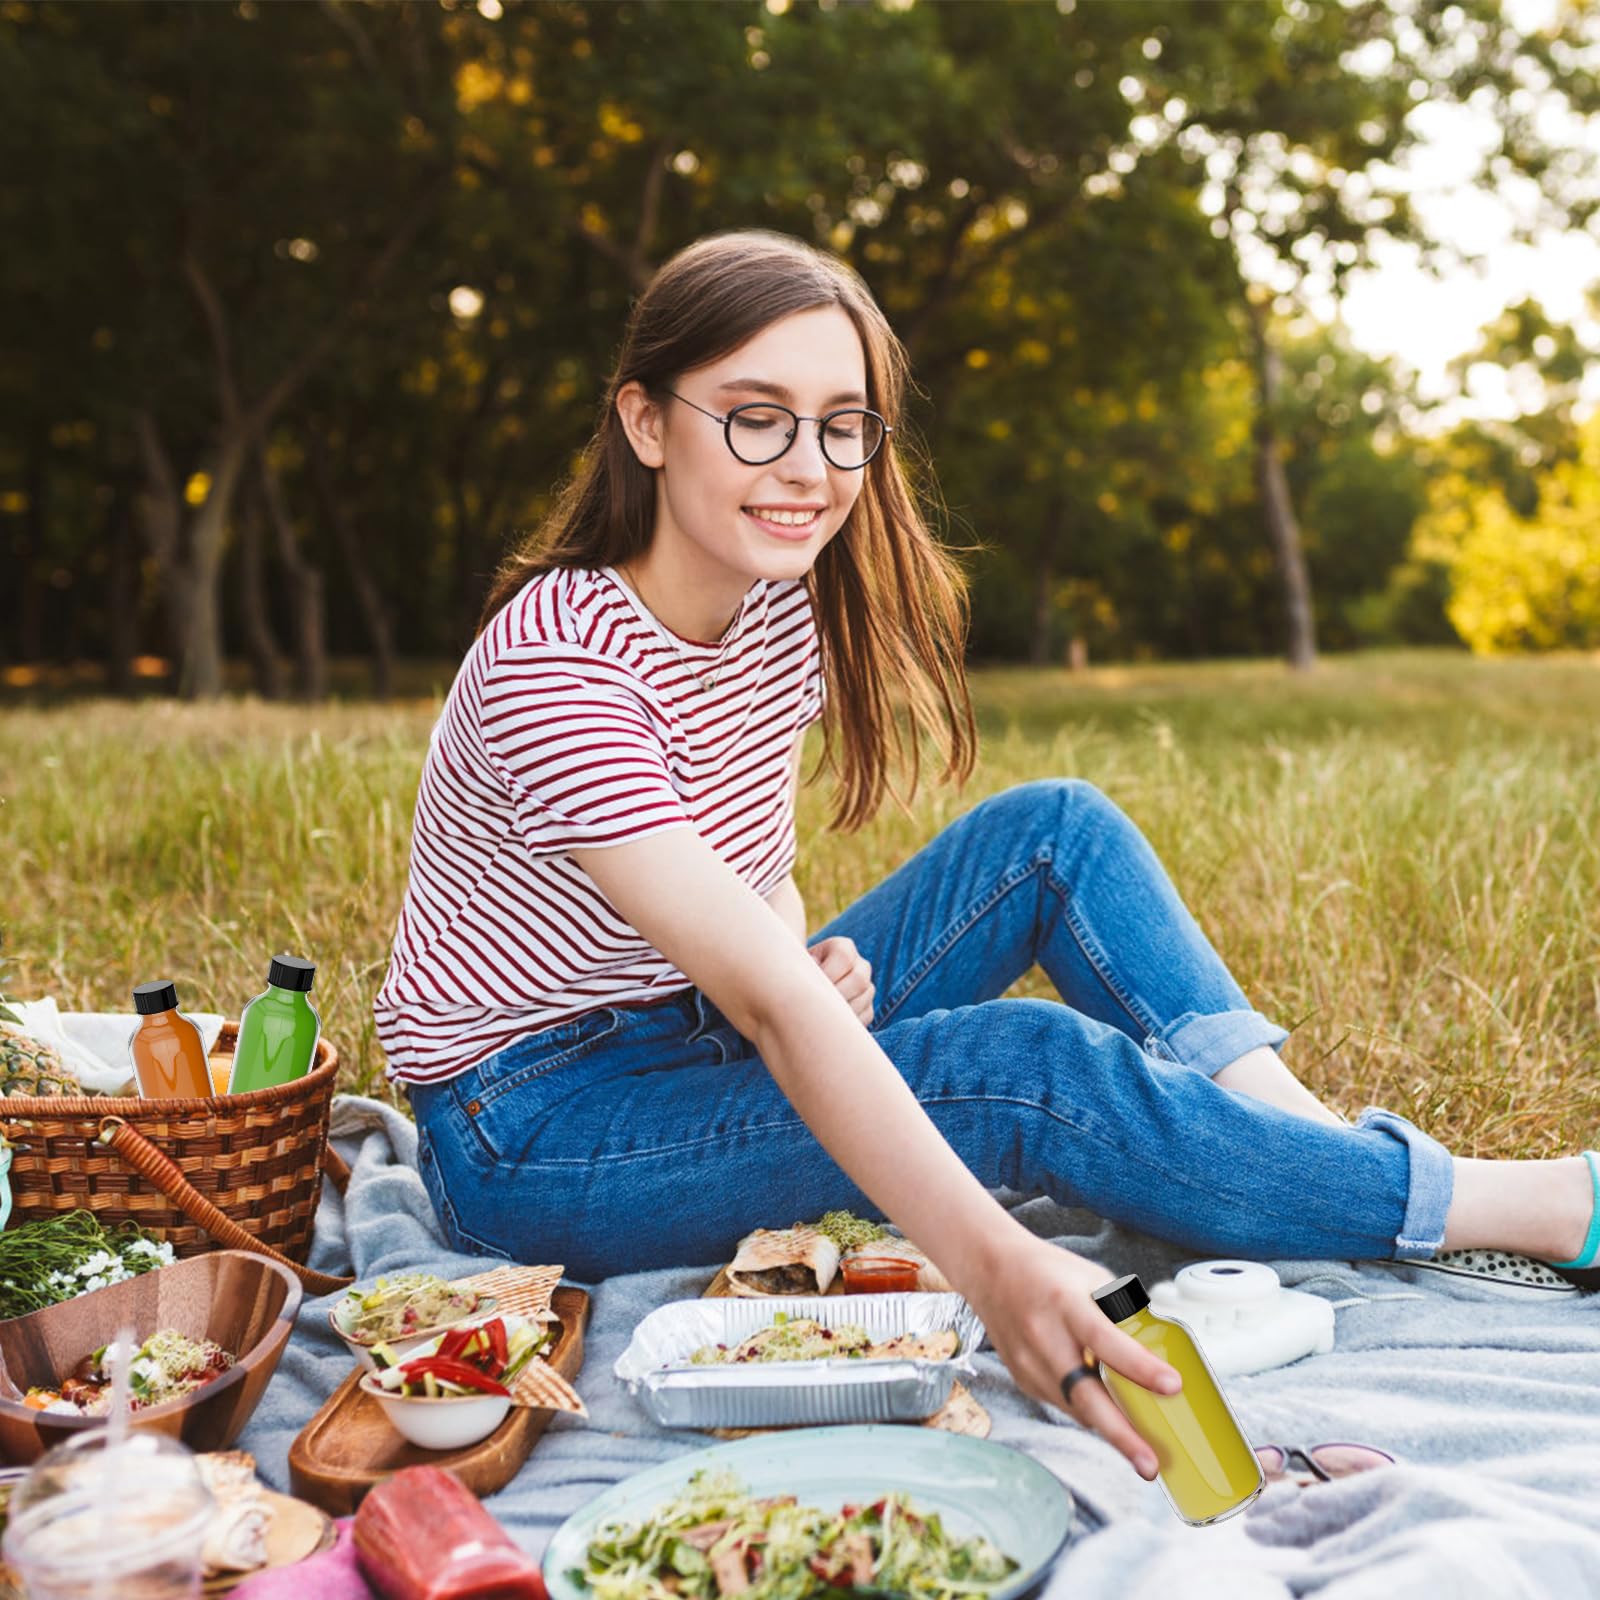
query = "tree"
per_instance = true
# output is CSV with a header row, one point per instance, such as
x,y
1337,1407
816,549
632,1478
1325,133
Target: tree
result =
x,y
1522,582
1302,127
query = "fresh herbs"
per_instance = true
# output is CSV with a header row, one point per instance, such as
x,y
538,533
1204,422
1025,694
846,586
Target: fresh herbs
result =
x,y
56,1258
847,1230
715,1540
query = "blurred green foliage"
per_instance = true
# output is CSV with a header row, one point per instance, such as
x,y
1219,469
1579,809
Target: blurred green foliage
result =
x,y
316,301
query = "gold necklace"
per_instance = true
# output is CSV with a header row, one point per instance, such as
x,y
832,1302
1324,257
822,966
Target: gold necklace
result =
x,y
709,680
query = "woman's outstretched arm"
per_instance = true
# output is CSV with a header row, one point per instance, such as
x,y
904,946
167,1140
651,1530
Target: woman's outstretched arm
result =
x,y
1033,1297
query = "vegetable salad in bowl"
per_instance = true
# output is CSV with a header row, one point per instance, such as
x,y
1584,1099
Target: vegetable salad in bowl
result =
x,y
715,1539
402,1312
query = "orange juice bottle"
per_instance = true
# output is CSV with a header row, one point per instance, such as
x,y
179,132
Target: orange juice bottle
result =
x,y
169,1056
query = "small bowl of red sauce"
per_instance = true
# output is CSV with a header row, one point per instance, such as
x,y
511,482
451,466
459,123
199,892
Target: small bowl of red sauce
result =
x,y
879,1275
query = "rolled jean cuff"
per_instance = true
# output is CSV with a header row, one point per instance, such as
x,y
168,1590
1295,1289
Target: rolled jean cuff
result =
x,y
1210,1041
1428,1194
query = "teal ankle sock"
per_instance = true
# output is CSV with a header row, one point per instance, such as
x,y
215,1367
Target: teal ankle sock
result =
x,y
1591,1245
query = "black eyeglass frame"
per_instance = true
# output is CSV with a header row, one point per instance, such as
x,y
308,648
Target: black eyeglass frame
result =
x,y
788,444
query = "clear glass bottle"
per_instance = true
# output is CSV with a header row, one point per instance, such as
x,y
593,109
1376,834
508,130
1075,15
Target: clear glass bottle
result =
x,y
169,1056
1207,1469
278,1030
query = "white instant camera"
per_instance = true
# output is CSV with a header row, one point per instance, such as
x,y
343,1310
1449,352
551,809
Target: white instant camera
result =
x,y
1243,1317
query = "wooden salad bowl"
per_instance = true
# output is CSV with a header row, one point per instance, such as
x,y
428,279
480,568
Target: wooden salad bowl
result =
x,y
244,1302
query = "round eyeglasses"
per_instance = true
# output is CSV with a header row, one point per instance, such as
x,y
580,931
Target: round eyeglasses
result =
x,y
760,432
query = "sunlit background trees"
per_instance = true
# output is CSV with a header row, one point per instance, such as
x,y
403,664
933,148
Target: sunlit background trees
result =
x,y
308,307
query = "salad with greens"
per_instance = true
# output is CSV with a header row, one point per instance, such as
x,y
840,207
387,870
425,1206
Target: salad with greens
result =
x,y
714,1539
401,1306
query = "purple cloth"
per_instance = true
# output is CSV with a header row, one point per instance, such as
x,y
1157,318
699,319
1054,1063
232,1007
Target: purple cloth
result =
x,y
333,1575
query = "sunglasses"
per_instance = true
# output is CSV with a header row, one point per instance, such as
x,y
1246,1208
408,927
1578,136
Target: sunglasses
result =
x,y
1322,1462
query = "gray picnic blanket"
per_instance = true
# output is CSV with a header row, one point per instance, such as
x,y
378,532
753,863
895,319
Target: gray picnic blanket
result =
x,y
1489,1397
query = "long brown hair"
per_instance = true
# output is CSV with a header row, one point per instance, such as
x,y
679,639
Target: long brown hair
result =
x,y
890,601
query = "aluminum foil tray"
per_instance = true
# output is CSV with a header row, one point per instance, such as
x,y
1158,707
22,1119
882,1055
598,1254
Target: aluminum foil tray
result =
x,y
772,1394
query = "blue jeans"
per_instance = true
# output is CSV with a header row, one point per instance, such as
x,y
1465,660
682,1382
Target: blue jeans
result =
x,y
636,1137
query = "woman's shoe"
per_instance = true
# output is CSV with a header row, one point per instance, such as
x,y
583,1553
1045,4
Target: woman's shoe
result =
x,y
1584,1268
1501,1269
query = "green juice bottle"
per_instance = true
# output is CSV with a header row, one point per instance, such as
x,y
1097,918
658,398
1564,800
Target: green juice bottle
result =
x,y
278,1030
1207,1467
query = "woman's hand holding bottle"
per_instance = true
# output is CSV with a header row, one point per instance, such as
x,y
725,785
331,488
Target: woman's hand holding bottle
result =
x,y
1035,1302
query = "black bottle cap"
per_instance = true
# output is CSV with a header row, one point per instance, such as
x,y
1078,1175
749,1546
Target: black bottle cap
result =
x,y
1120,1298
151,999
291,972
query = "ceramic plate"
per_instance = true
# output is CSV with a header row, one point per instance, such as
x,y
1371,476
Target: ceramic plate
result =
x,y
975,1486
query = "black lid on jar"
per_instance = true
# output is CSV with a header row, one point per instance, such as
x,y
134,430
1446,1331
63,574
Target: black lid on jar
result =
x,y
1120,1298
291,972
151,999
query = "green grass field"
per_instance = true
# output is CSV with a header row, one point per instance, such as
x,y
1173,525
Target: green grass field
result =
x,y
1400,858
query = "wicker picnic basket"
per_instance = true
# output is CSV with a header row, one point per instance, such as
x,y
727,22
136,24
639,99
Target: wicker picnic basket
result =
x,y
239,1172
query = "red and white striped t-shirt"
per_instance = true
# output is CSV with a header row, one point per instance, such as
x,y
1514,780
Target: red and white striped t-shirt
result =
x,y
578,720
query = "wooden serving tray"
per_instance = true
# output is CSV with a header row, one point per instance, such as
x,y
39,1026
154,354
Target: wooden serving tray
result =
x,y
350,1444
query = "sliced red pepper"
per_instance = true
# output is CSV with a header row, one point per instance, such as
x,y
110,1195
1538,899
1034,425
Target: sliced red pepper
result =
x,y
453,1343
498,1344
449,1370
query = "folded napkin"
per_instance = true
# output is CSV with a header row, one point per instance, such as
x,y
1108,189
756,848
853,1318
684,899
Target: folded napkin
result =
x,y
333,1575
94,1044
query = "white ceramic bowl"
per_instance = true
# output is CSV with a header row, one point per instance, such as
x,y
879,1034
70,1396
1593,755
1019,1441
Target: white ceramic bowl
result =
x,y
486,1307
447,1423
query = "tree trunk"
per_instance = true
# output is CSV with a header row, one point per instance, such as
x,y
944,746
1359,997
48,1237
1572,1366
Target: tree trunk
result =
x,y
201,676
369,599
122,594
254,609
305,589
1041,650
30,590
1272,483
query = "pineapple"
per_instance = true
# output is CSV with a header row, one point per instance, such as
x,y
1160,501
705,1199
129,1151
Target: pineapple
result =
x,y
29,1066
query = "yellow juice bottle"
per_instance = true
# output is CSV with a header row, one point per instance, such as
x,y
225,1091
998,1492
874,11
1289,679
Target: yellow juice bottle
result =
x,y
1207,1468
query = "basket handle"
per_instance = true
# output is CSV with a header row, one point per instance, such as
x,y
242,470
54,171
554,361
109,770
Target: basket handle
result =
x,y
161,1170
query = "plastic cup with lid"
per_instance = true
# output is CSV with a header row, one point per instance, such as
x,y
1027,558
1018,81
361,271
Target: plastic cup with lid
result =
x,y
103,1518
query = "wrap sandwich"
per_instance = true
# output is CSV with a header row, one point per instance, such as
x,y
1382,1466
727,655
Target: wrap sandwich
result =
x,y
796,1260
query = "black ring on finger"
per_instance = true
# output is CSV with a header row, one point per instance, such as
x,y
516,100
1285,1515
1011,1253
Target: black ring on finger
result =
x,y
1072,1380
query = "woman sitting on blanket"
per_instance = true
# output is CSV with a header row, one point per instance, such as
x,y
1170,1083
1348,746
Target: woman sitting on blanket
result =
x,y
622,1044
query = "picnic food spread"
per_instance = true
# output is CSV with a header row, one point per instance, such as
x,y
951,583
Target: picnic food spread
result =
x,y
448,1361
715,1539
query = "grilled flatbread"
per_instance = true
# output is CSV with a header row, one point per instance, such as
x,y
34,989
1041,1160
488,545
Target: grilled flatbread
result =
x,y
939,1346
784,1261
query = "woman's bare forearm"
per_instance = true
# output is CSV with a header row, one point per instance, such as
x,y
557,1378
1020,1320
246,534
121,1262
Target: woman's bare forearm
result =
x,y
786,901
849,1094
